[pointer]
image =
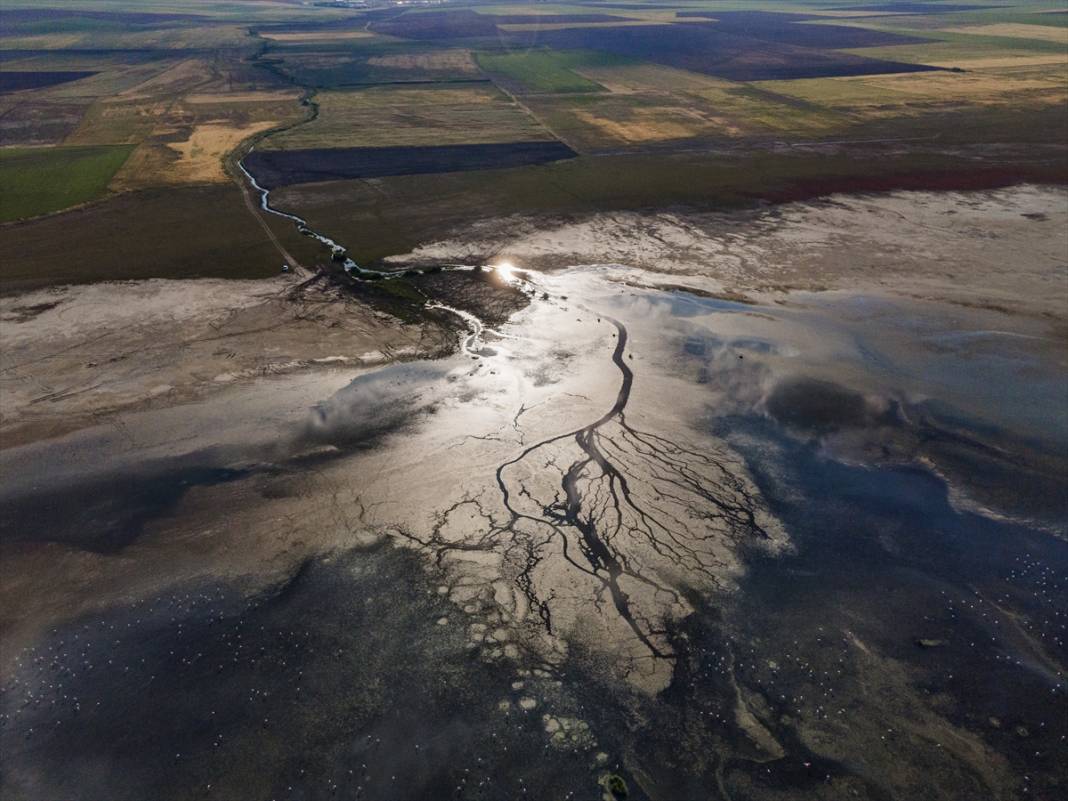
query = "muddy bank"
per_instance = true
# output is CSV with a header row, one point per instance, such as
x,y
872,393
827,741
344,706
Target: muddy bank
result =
x,y
580,579
997,249
632,533
328,638
75,354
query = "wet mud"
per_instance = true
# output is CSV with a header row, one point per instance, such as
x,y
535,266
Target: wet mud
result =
x,y
630,540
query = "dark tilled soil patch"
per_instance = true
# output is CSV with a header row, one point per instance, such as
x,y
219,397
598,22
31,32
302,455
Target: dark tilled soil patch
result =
x,y
789,29
728,54
914,8
17,81
286,167
458,24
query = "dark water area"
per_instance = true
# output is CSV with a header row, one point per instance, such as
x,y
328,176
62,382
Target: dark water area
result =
x,y
908,642
900,609
878,382
323,687
106,514
973,608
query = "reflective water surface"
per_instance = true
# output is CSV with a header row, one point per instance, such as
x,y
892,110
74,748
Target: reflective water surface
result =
x,y
636,542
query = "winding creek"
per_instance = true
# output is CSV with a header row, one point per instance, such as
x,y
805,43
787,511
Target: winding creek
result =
x,y
469,344
581,522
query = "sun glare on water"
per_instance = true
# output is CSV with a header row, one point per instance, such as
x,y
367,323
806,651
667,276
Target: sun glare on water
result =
x,y
506,270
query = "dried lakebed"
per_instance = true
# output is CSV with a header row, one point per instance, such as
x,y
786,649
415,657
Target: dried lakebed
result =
x,y
637,536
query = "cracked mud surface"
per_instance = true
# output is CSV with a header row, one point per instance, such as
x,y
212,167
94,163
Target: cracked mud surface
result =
x,y
637,535
73,355
1000,249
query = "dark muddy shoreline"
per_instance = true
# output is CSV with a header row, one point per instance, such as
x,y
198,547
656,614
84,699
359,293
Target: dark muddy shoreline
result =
x,y
654,538
925,636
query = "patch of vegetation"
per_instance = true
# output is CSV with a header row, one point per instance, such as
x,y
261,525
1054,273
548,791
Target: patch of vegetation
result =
x,y
453,23
274,168
706,49
1010,15
41,123
547,70
371,60
435,114
956,43
646,96
716,112
395,296
40,180
177,232
881,96
397,214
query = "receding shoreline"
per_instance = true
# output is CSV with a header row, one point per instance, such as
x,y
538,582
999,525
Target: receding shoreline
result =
x,y
660,506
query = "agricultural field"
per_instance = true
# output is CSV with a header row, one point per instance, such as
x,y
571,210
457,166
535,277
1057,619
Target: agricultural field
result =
x,y
703,48
431,114
544,70
632,400
342,95
394,214
274,168
40,123
41,180
177,232
15,81
705,112
1003,84
365,61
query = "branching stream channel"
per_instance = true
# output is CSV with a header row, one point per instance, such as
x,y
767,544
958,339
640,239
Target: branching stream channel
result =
x,y
625,499
632,540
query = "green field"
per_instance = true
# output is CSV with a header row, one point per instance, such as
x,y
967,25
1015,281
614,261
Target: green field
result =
x,y
430,114
395,214
650,130
547,70
36,181
174,232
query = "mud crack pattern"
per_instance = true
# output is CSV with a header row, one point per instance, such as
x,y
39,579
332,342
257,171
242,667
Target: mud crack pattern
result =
x,y
612,519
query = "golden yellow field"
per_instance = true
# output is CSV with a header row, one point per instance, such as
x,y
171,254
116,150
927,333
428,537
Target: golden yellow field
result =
x,y
630,79
412,115
452,60
649,124
1021,83
200,158
317,36
222,98
1046,33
